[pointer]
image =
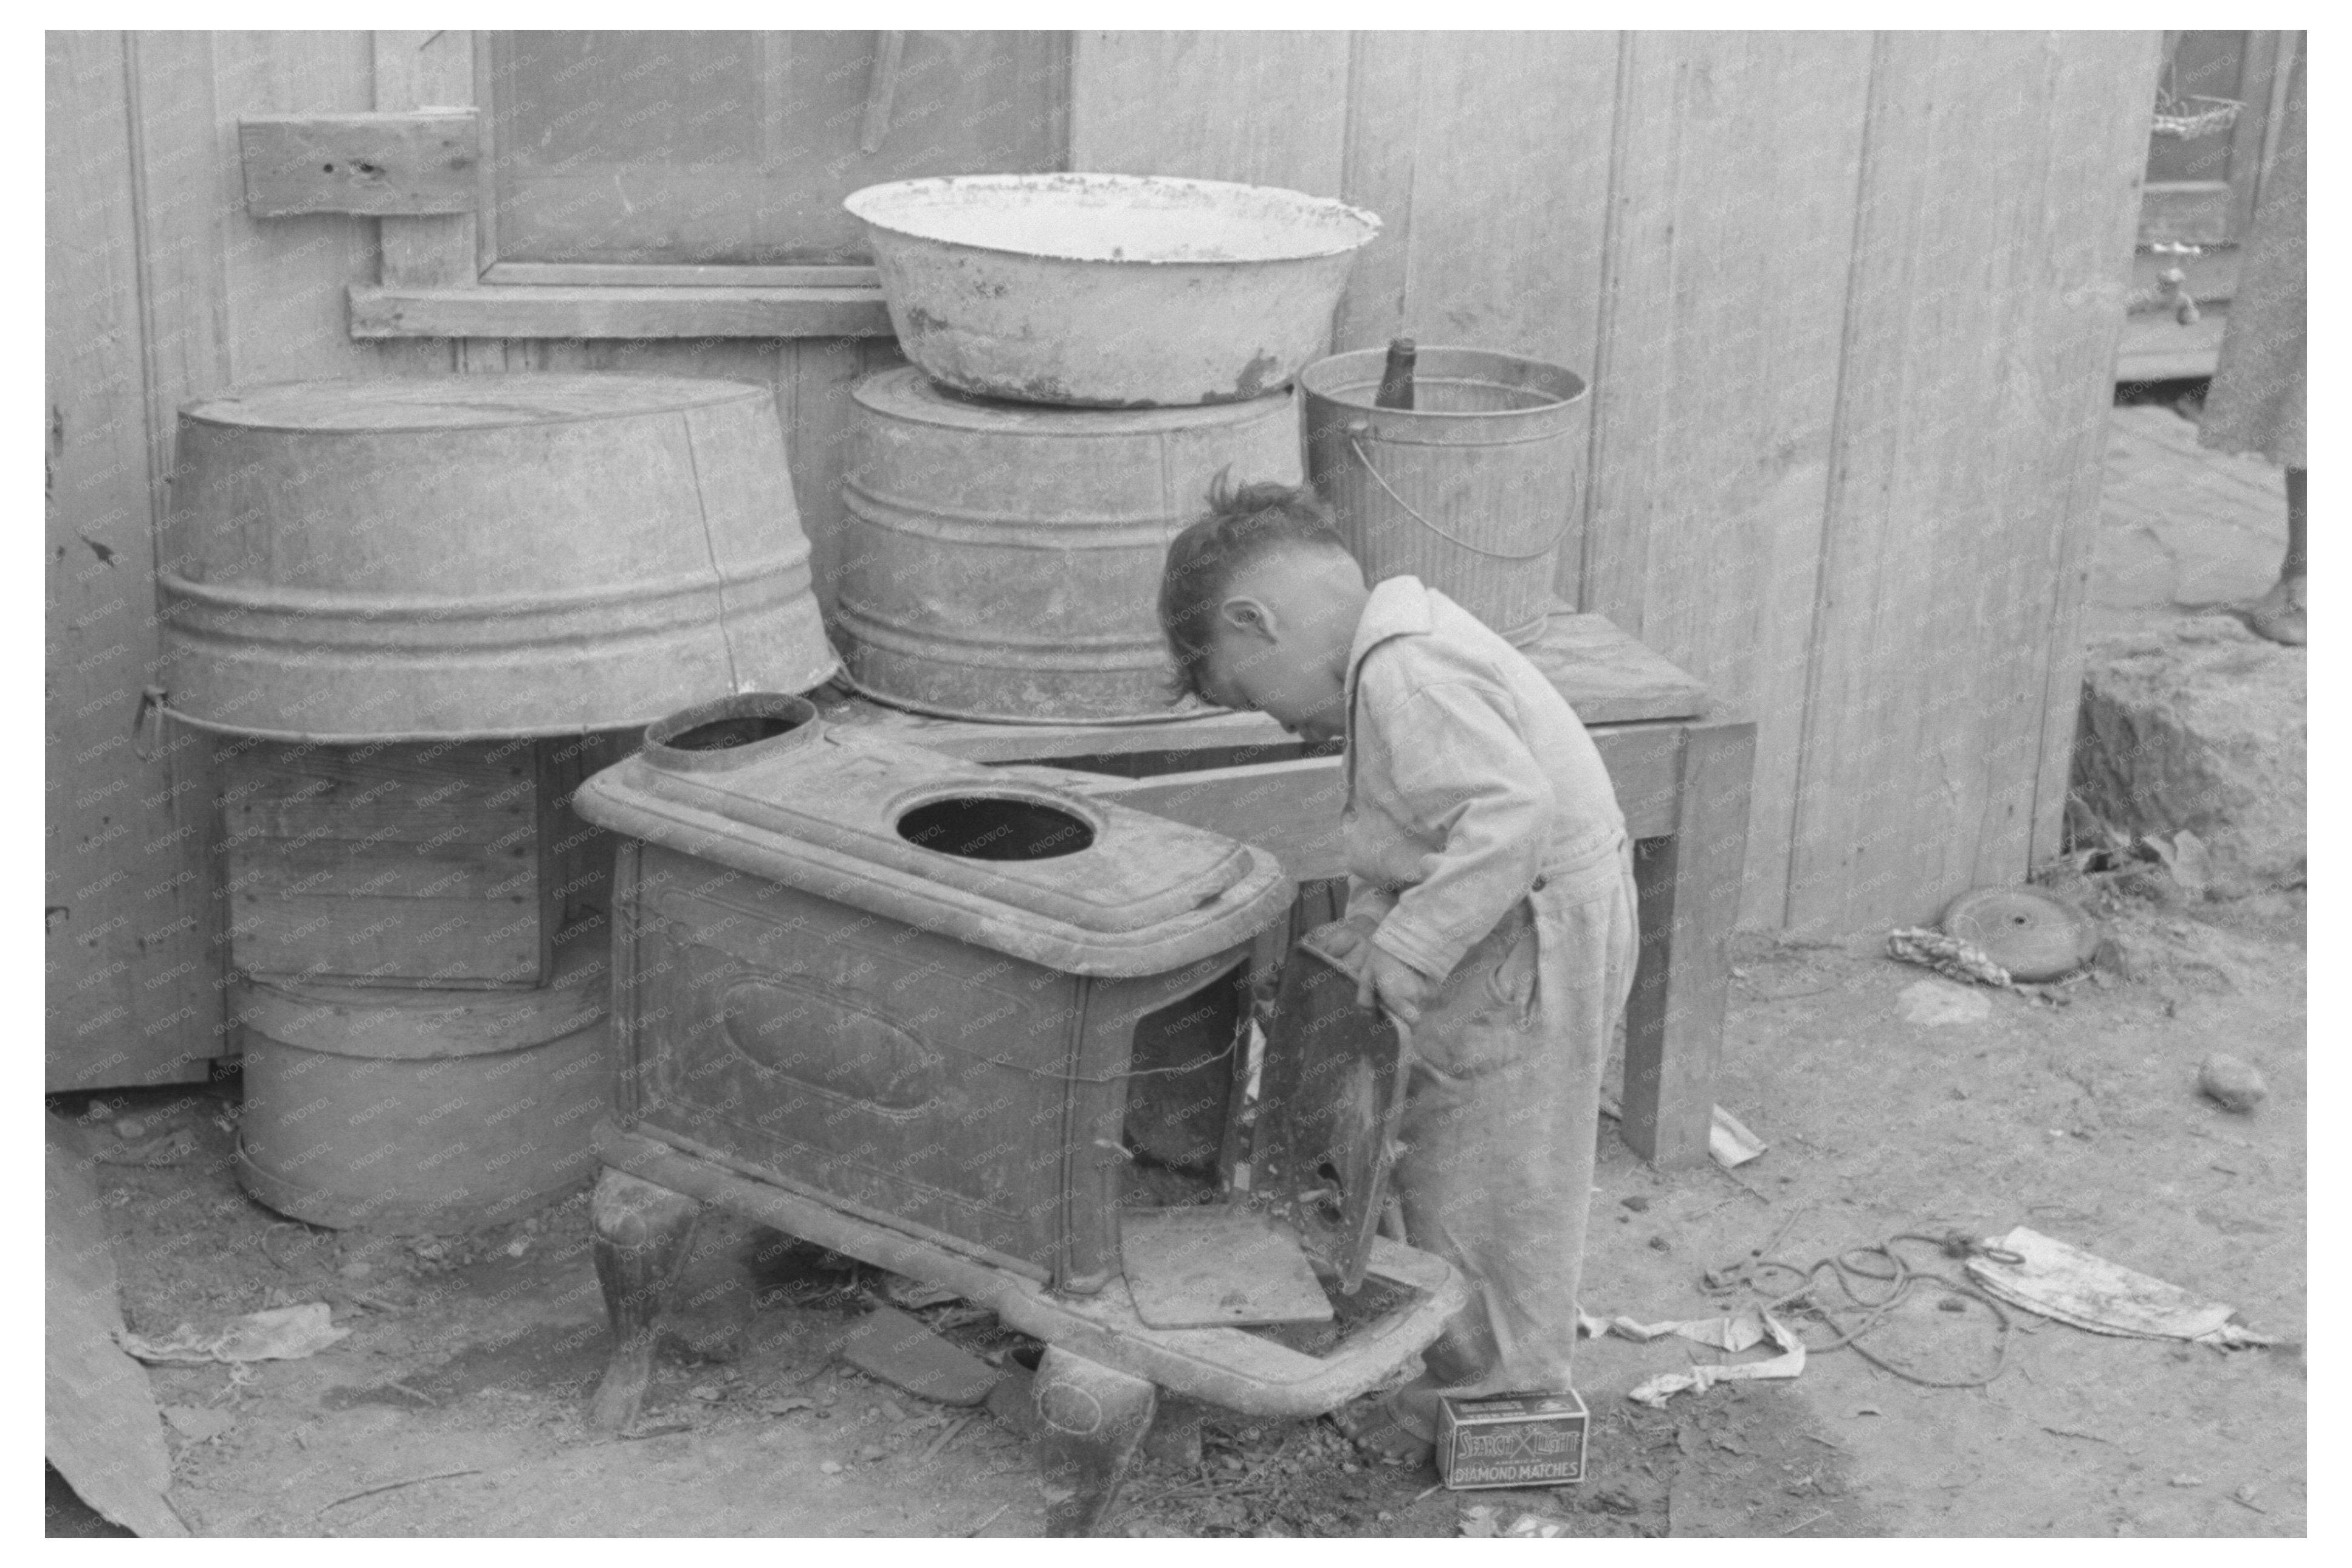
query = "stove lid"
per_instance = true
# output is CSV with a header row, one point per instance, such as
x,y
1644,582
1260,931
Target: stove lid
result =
x,y
758,784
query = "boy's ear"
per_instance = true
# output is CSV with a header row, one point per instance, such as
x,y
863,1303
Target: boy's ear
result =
x,y
1245,614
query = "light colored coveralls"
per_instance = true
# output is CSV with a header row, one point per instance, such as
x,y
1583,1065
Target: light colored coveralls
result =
x,y
1483,834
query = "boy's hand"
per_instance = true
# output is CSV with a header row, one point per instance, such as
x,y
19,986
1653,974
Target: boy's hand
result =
x,y
1394,983
1348,945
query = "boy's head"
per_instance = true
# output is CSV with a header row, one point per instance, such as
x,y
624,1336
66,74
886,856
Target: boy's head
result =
x,y
1259,603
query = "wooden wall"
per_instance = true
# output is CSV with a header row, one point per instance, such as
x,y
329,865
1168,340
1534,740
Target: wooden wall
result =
x,y
1848,303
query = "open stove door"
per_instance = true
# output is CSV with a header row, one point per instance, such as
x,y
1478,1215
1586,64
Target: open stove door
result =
x,y
1330,1102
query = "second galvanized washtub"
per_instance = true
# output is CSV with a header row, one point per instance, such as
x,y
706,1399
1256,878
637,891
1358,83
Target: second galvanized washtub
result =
x,y
478,556
1110,291
412,1111
1000,561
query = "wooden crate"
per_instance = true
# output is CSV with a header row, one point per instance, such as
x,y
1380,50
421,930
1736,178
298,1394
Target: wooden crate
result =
x,y
443,863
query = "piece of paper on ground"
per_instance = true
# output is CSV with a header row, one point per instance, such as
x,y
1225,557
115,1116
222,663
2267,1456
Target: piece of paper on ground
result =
x,y
2087,1292
281,1333
1751,1326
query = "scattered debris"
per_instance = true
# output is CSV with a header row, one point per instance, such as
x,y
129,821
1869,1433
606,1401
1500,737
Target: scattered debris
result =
x,y
2231,1084
1729,1141
1486,1522
1934,1003
2186,857
281,1333
901,1351
395,1485
1950,956
1750,1327
2055,1281
2085,1436
914,1294
198,1423
173,1148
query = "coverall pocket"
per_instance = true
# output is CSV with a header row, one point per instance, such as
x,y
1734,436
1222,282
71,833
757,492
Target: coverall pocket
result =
x,y
1511,979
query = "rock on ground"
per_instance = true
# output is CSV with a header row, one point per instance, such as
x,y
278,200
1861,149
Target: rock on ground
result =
x,y
2199,725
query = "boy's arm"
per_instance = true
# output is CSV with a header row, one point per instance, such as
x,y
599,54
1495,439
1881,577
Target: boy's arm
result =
x,y
1463,767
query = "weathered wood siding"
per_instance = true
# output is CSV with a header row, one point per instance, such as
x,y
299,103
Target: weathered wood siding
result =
x,y
1848,303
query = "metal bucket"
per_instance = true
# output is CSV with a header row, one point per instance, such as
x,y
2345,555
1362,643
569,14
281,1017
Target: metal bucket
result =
x,y
1110,291
1002,561
409,1111
478,556
1475,490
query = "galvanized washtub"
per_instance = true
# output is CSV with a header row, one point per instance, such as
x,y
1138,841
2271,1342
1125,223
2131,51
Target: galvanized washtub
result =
x,y
1110,291
455,557
1002,561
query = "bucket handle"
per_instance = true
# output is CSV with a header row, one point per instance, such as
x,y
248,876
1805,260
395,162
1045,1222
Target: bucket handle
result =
x,y
1356,431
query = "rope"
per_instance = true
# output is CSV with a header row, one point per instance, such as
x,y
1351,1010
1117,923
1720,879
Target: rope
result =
x,y
1848,1266
1549,545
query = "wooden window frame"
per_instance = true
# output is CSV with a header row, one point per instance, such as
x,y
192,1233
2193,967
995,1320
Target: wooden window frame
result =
x,y
441,276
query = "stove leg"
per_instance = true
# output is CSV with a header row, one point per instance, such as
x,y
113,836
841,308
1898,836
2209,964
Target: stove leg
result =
x,y
1094,1420
643,1233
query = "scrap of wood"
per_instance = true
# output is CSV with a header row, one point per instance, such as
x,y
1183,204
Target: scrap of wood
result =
x,y
410,164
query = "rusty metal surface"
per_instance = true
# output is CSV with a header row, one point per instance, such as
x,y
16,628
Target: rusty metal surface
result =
x,y
911,835
445,557
1332,1101
1110,291
1202,1267
1475,490
1002,562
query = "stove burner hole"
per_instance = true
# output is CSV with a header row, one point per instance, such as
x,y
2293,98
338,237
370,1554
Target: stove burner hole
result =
x,y
721,734
995,827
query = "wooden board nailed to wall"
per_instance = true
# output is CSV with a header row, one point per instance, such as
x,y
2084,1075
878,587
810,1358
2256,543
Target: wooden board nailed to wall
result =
x,y
398,865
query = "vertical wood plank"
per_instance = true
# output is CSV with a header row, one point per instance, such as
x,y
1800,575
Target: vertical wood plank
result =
x,y
130,959
1377,169
419,71
1732,211
2111,173
288,278
1689,891
1262,108
1982,308
1510,184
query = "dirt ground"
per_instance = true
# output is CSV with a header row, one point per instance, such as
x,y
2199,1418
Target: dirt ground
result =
x,y
454,1404
2081,1119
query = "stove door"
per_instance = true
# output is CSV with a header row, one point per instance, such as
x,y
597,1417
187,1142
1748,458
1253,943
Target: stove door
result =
x,y
902,1073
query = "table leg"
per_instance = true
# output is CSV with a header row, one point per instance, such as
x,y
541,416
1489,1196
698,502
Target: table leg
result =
x,y
1094,1419
1689,887
643,1233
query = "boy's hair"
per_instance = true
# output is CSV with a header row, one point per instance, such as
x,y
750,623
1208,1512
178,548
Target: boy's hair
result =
x,y
1244,524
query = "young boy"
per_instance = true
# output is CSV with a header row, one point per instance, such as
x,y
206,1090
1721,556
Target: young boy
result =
x,y
1490,906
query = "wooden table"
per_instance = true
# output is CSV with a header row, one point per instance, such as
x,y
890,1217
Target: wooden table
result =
x,y
1682,778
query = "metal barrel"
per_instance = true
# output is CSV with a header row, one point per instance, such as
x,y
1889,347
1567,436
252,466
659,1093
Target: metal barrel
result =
x,y
1002,562
452,557
1474,490
416,1111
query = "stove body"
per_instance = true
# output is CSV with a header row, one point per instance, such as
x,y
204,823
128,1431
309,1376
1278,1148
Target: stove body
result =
x,y
915,988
